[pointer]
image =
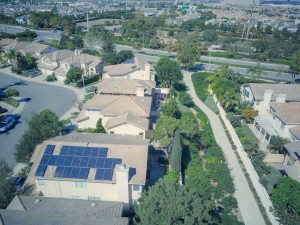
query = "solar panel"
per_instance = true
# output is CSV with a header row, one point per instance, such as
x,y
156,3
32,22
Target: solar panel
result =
x,y
49,149
68,160
83,174
76,161
59,171
67,172
44,160
99,174
40,170
72,150
92,162
94,152
86,152
102,152
60,160
52,160
64,150
84,162
108,163
107,175
75,172
100,163
79,151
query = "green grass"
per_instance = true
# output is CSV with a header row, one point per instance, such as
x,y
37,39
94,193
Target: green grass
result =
x,y
12,102
247,132
201,84
209,101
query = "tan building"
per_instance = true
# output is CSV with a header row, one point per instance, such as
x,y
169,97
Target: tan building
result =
x,y
134,68
91,166
291,164
119,114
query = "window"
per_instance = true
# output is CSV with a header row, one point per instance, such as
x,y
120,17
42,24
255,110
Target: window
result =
x,y
75,196
111,132
135,187
282,125
93,198
42,182
141,133
80,184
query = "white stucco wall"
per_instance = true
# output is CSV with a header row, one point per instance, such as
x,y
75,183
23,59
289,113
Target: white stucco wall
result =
x,y
127,129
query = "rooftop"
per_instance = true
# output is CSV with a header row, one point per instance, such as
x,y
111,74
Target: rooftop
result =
x,y
291,90
296,131
287,112
83,58
30,210
294,150
59,55
91,157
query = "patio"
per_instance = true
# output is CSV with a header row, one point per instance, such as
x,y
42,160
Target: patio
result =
x,y
265,127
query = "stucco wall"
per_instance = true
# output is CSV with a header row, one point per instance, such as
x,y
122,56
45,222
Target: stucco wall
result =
x,y
127,129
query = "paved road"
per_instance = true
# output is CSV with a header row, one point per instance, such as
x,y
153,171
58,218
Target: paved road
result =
x,y
246,201
243,71
42,96
43,35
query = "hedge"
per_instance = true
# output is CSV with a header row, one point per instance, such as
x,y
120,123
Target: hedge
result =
x,y
87,81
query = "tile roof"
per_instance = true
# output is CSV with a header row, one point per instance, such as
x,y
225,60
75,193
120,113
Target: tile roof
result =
x,y
115,105
90,60
60,211
295,131
287,112
133,150
124,86
291,90
294,149
128,117
59,55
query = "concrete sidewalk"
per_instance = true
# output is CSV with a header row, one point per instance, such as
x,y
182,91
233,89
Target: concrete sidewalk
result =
x,y
247,204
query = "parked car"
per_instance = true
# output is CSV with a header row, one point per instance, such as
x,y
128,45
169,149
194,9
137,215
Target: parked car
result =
x,y
6,123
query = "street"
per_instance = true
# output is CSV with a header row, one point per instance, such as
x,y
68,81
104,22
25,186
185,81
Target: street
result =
x,y
40,96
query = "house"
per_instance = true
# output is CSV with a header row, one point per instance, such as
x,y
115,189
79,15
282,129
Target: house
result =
x,y
126,87
295,133
34,49
91,166
134,68
119,114
33,210
291,164
61,61
23,19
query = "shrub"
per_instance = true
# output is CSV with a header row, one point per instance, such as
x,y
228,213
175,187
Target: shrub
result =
x,y
186,99
51,78
234,120
87,81
73,75
249,114
277,144
12,92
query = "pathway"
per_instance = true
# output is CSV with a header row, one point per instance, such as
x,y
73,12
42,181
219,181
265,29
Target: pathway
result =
x,y
246,201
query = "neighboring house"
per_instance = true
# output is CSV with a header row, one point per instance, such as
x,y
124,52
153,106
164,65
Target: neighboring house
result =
x,y
34,49
291,164
23,19
119,114
90,65
134,68
5,42
126,87
33,210
91,166
295,133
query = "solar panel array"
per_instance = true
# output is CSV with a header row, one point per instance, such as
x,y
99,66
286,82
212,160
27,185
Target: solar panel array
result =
x,y
76,161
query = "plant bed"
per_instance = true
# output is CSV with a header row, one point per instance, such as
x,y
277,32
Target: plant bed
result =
x,y
11,102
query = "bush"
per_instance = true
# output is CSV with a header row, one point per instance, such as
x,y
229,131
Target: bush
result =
x,y
186,99
234,120
87,81
2,110
277,144
73,75
51,78
12,92
248,114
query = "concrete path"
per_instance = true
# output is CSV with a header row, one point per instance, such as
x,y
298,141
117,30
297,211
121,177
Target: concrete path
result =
x,y
247,204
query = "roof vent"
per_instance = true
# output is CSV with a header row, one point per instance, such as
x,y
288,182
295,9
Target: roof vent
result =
x,y
37,201
93,205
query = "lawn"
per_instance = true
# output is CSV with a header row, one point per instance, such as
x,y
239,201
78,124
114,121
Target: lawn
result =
x,y
201,84
209,101
11,102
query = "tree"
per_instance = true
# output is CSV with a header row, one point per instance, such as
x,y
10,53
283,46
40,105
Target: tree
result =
x,y
210,35
175,160
295,63
286,201
99,127
102,37
277,144
74,74
168,72
11,55
187,50
186,99
249,114
189,127
42,126
6,184
170,109
12,92
256,70
188,206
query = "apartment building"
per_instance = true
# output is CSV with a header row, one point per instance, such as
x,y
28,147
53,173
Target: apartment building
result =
x,y
91,166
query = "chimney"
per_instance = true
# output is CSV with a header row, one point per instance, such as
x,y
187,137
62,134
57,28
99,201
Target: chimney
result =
x,y
147,71
93,205
122,176
268,95
281,98
140,90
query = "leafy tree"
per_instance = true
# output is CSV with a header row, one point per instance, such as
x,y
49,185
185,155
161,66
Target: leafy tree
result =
x,y
234,120
12,92
42,126
277,144
170,109
99,127
74,74
175,160
210,35
286,201
11,55
168,72
6,184
256,70
187,50
188,126
188,206
186,99
249,114
102,37
295,63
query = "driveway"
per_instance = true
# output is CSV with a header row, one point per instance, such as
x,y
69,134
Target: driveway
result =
x,y
39,96
243,194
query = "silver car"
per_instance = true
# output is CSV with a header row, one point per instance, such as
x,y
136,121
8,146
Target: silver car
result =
x,y
6,123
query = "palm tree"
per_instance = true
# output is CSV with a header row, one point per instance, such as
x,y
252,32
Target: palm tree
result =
x,y
11,55
255,70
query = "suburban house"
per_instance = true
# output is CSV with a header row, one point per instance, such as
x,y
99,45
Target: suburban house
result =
x,y
34,49
23,19
126,87
278,107
291,164
33,210
60,62
91,166
134,68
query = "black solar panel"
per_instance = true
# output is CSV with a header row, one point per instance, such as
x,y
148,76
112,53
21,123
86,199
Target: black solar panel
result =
x,y
49,149
40,170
